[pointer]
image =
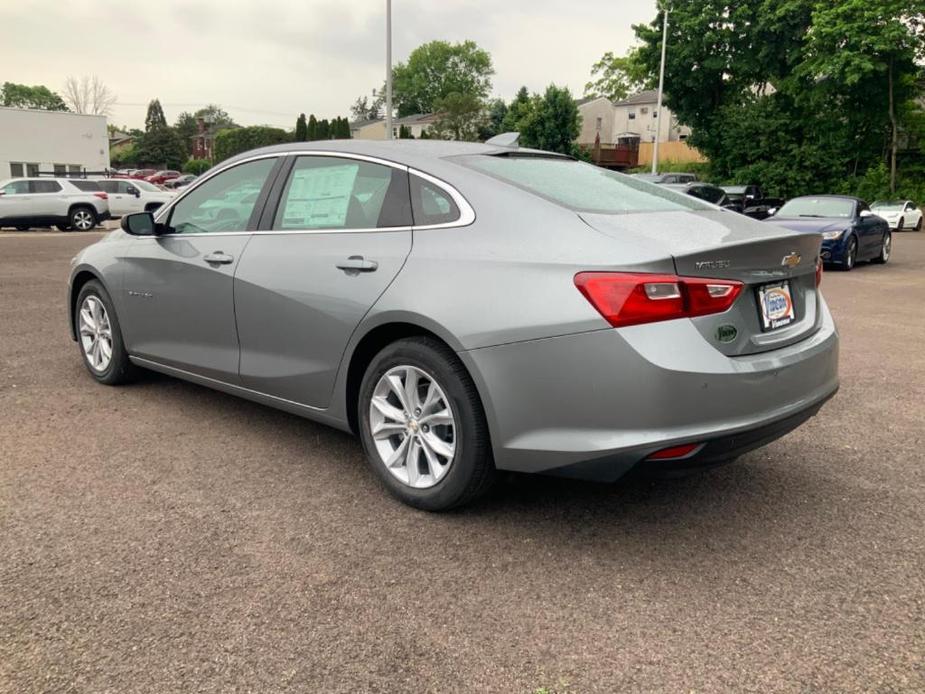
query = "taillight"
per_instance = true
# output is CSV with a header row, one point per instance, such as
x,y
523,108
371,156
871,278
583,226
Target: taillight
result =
x,y
101,196
818,271
676,452
625,298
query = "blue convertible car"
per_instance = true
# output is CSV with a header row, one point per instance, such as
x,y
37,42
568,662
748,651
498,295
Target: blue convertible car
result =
x,y
850,231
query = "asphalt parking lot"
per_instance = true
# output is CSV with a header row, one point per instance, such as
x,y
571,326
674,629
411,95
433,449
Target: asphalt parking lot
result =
x,y
162,537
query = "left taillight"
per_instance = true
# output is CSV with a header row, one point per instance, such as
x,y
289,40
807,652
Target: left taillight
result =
x,y
625,298
101,196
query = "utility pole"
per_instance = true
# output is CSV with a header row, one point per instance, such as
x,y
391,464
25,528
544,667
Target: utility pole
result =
x,y
661,90
388,69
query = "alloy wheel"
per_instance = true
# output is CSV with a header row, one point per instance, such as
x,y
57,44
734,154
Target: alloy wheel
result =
x,y
413,426
852,252
887,248
82,220
95,333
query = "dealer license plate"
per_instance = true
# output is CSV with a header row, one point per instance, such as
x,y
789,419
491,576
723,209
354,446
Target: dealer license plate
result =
x,y
776,305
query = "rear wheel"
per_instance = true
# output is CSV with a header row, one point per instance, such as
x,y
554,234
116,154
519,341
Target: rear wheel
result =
x,y
100,338
886,249
422,426
83,218
851,255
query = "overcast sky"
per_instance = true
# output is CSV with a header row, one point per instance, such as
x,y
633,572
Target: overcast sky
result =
x,y
266,61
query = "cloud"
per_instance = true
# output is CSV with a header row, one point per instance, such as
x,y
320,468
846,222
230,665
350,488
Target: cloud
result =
x,y
266,62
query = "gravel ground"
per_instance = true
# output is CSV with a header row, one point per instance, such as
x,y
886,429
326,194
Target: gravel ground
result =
x,y
166,538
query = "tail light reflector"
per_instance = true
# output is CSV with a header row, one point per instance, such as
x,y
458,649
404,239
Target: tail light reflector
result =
x,y
681,451
625,298
101,196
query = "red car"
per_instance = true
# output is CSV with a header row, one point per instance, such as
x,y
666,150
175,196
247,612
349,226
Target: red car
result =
x,y
161,176
143,173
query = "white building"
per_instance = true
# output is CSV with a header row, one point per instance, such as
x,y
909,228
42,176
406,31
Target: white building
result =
x,y
56,142
632,117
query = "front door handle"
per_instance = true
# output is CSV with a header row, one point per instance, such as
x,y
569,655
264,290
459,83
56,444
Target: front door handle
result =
x,y
218,258
357,263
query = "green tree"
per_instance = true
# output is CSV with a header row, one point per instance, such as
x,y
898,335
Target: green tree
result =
x,y
233,141
497,110
324,130
155,119
519,113
364,109
36,97
404,133
311,132
616,77
555,122
867,46
437,69
197,167
161,147
186,129
301,129
458,117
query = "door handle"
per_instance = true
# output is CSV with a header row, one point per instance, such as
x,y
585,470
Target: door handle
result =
x,y
218,258
357,263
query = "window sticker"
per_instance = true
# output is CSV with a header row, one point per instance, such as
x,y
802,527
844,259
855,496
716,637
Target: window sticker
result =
x,y
319,197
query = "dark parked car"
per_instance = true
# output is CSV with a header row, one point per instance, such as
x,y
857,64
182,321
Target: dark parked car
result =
x,y
180,181
850,231
703,191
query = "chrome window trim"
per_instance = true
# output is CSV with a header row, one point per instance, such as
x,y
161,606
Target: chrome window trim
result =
x,y
466,213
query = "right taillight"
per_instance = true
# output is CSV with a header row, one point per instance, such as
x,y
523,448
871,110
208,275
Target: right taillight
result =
x,y
626,298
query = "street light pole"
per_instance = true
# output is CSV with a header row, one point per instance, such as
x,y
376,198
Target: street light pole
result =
x,y
388,69
661,90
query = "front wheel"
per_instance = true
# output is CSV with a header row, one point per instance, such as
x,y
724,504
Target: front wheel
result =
x,y
100,337
901,224
422,426
918,225
851,255
886,249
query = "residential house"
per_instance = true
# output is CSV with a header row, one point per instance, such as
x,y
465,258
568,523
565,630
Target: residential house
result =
x,y
203,140
418,124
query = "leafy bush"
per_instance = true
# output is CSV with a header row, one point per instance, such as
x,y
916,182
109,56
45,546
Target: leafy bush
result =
x,y
231,142
123,156
196,166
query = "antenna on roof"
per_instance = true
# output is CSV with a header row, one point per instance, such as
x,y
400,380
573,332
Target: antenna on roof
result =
x,y
504,140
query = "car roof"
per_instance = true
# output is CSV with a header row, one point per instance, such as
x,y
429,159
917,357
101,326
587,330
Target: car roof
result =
x,y
408,152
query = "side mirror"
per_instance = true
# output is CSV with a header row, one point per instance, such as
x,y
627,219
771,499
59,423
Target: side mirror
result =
x,y
134,191
866,213
139,224
772,211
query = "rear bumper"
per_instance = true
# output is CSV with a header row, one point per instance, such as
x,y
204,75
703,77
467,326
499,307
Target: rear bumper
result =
x,y
596,404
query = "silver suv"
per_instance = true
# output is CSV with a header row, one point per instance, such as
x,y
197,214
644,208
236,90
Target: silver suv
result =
x,y
62,202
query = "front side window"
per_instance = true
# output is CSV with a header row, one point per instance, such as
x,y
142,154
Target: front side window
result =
x,y
225,202
336,193
16,188
581,187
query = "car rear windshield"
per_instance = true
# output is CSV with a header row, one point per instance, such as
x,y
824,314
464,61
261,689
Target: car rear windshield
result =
x,y
87,186
817,207
579,186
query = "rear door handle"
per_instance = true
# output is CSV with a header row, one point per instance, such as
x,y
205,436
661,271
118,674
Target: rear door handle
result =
x,y
218,258
357,263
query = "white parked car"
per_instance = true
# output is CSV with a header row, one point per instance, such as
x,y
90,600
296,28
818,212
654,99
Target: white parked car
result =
x,y
63,202
900,214
130,196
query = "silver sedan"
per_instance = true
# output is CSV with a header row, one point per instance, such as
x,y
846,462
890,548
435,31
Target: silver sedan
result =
x,y
468,308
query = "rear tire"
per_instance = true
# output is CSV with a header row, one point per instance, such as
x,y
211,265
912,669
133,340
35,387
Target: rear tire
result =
x,y
886,249
449,447
96,323
82,218
900,224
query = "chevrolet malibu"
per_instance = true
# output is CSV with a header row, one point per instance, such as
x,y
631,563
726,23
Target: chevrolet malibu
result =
x,y
468,308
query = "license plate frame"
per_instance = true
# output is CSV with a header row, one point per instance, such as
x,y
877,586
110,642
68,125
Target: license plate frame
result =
x,y
775,305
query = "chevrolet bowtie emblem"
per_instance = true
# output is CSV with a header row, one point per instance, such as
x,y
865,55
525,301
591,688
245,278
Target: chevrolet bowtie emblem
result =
x,y
791,260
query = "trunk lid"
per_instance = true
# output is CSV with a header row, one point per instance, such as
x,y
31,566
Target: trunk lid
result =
x,y
726,245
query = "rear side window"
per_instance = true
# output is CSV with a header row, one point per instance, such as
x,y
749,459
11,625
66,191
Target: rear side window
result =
x,y
431,204
109,186
86,186
340,193
581,187
46,187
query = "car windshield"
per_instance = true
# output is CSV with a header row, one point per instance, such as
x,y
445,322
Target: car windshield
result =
x,y
144,185
579,186
888,205
735,190
817,207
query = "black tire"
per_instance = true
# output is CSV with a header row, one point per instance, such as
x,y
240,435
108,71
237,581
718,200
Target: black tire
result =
x,y
851,255
82,216
120,369
918,225
886,249
20,227
900,224
63,227
472,470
